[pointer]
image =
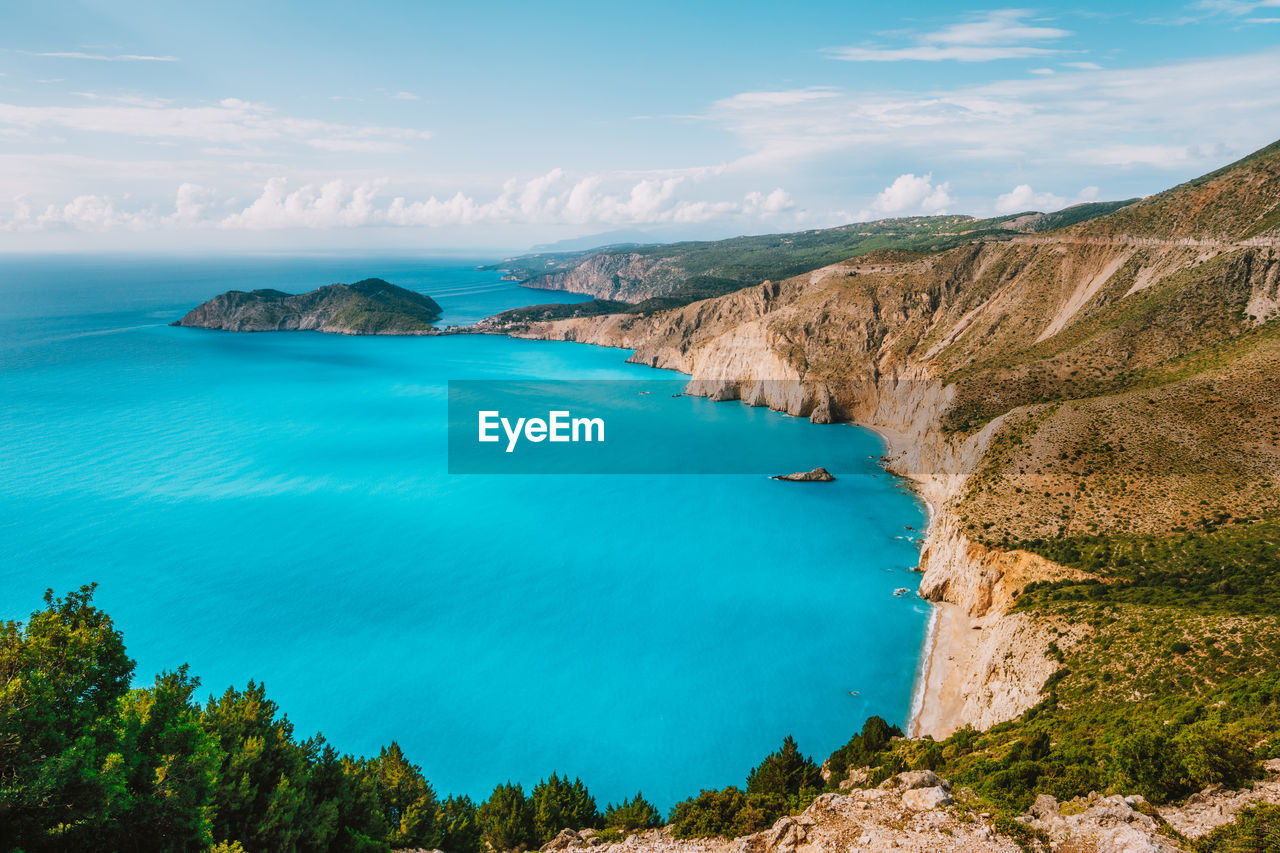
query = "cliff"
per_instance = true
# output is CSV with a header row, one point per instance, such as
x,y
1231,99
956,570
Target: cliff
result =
x,y
1113,378
369,307
680,273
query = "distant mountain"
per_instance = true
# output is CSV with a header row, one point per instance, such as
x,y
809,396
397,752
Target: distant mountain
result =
x,y
609,239
369,307
680,273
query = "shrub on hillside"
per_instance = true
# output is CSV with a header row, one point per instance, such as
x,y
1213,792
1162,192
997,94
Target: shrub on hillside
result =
x,y
632,815
727,813
560,804
506,819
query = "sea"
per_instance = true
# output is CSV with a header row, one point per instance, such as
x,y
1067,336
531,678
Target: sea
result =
x,y
280,508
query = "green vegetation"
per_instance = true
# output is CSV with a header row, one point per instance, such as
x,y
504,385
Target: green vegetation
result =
x,y
866,749
1238,201
1078,213
786,782
727,813
1169,677
1228,564
87,763
368,307
693,271
563,311
632,815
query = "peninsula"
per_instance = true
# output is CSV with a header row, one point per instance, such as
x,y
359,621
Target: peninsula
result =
x,y
1092,413
368,307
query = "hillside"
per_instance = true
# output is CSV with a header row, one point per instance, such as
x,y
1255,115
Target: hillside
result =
x,y
1240,201
1094,415
368,307
676,274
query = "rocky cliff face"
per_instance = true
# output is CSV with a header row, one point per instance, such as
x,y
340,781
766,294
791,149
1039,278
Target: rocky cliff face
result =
x,y
1016,383
369,307
628,277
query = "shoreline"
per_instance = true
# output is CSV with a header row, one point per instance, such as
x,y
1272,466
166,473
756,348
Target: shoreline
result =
x,y
939,692
937,697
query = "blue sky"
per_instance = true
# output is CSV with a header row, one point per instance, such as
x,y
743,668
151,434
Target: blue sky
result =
x,y
498,125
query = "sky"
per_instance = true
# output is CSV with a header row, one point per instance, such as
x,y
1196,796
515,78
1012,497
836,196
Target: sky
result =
x,y
500,125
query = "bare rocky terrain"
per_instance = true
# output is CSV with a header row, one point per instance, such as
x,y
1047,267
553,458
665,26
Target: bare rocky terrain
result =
x,y
919,812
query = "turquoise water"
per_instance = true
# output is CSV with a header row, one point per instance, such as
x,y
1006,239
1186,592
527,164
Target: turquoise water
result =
x,y
278,507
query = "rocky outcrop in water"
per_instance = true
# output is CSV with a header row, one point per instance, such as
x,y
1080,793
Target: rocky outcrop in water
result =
x,y
369,307
817,475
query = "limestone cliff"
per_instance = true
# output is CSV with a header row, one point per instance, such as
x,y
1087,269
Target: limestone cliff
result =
x,y
627,276
369,307
1110,377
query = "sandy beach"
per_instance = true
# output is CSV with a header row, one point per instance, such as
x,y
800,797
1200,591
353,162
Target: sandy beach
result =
x,y
938,701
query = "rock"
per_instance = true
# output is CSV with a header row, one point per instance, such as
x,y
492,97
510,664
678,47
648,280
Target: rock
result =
x,y
857,777
565,840
817,475
1045,807
915,779
1107,824
923,799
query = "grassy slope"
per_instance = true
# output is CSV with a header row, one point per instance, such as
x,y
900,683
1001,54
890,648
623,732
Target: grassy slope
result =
x,y
712,268
1143,447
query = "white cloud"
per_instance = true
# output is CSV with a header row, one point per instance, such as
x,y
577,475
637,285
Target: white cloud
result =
x,y
909,195
331,205
87,213
405,96
98,57
1236,8
231,120
358,146
1161,116
193,202
550,199
1160,156
1022,198
1082,66
785,97
775,202
999,34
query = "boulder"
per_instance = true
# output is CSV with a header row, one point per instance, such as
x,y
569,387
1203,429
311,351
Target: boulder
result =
x,y
923,799
817,475
565,840
915,779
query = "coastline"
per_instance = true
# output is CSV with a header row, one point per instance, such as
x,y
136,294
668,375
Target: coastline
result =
x,y
936,703
937,698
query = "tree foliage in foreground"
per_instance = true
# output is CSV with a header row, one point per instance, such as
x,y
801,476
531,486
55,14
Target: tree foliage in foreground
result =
x,y
86,763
